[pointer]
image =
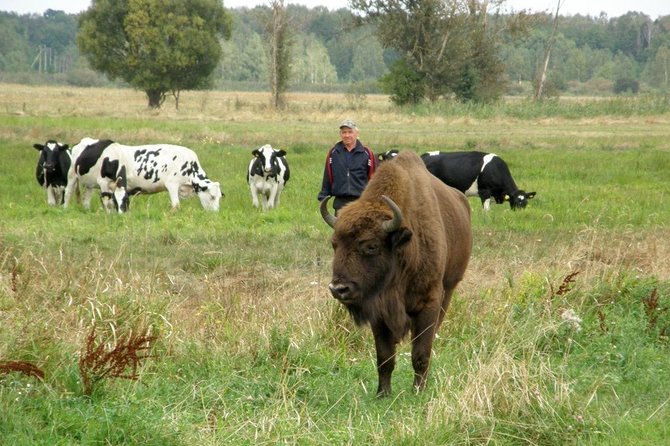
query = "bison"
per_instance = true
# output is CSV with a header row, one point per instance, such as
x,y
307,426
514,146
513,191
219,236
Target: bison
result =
x,y
399,252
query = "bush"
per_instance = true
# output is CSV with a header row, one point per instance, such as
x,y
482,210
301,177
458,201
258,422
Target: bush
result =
x,y
626,84
403,84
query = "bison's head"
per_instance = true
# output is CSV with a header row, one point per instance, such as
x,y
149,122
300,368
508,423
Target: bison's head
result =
x,y
519,199
365,245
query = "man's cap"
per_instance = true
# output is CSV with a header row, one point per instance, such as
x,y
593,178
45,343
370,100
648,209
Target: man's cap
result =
x,y
348,123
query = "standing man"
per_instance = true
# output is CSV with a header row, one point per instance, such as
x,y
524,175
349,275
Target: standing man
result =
x,y
349,166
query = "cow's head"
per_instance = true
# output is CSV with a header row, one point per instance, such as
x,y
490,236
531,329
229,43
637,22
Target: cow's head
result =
x,y
267,157
519,199
210,195
120,194
49,154
388,155
365,244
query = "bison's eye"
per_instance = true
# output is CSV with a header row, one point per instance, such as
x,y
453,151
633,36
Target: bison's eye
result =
x,y
369,248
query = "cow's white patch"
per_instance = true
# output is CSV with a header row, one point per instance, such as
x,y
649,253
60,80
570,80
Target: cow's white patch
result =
x,y
473,190
433,153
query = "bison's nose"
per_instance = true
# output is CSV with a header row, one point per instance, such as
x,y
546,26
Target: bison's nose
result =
x,y
339,291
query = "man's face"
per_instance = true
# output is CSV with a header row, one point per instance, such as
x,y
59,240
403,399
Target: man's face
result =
x,y
348,136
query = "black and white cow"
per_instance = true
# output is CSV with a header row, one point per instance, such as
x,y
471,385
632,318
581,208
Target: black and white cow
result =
x,y
477,174
267,175
121,171
52,168
91,170
388,155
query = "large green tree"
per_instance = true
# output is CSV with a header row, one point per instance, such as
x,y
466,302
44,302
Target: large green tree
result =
x,y
449,45
157,46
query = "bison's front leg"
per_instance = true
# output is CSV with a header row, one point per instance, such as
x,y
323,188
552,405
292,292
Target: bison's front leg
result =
x,y
385,346
424,326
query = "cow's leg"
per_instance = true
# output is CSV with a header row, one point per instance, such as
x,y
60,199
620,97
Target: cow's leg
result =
x,y
59,192
424,326
264,200
485,196
51,196
385,346
254,196
277,195
272,200
173,191
86,197
72,185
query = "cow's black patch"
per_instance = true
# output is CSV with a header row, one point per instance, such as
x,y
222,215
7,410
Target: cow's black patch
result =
x,y
110,169
146,164
90,156
190,169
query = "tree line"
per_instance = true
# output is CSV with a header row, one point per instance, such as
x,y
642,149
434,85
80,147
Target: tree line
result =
x,y
412,54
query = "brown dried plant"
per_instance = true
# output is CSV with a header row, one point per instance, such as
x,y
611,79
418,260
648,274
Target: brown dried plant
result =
x,y
97,362
601,319
15,274
24,367
652,310
565,285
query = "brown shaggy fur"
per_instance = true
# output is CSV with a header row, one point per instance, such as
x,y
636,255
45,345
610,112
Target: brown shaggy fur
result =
x,y
401,281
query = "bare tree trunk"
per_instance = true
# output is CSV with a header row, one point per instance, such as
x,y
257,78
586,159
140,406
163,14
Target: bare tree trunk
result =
x,y
547,54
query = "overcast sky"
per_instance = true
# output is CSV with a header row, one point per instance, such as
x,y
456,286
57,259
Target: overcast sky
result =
x,y
613,8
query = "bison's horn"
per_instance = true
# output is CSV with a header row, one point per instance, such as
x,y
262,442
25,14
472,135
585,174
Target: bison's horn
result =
x,y
393,224
327,216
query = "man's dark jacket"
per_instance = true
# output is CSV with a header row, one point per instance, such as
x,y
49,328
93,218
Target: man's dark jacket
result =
x,y
350,173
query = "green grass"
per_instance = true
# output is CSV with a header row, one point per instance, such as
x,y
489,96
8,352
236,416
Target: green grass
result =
x,y
252,350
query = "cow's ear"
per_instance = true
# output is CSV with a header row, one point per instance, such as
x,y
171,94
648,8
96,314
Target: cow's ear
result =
x,y
63,147
255,153
400,237
281,152
38,146
530,195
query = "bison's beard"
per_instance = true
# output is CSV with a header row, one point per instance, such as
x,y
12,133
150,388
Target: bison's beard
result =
x,y
373,301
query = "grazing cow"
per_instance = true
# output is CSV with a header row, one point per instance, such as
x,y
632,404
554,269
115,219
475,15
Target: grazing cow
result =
x,y
267,175
477,174
91,170
399,252
121,171
52,168
388,155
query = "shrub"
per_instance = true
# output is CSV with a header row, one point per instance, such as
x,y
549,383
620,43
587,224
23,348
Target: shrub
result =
x,y
626,84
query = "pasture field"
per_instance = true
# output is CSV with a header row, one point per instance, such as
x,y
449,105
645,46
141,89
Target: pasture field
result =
x,y
559,334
